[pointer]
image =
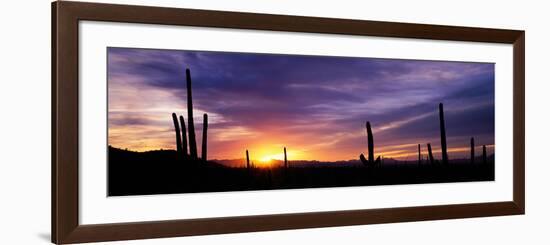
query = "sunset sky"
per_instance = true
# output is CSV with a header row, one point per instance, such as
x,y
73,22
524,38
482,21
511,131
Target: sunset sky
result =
x,y
316,106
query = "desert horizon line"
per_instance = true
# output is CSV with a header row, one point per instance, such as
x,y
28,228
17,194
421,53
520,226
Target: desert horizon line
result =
x,y
413,154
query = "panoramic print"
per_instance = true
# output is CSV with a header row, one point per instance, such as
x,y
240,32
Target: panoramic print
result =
x,y
202,121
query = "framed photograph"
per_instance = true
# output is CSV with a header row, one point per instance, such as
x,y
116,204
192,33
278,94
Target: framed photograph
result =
x,y
175,122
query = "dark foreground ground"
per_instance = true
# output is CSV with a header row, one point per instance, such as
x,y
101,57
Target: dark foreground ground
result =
x,y
160,172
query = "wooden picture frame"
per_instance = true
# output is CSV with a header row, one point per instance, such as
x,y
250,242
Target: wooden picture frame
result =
x,y
65,122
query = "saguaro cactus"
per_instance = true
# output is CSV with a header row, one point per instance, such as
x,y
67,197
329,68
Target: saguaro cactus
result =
x,y
192,141
472,151
370,139
484,155
444,157
247,160
419,155
430,155
286,161
204,135
370,161
178,136
183,137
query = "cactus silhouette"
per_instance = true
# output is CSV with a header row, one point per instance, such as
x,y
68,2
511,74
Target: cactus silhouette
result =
x,y
183,137
444,157
187,137
204,135
191,124
178,136
247,160
286,162
484,155
370,138
364,160
472,151
430,155
419,155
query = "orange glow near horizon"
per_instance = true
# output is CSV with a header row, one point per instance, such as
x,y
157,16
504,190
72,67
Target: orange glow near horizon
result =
x,y
279,156
265,153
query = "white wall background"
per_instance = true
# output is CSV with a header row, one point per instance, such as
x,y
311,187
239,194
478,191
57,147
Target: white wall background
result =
x,y
25,122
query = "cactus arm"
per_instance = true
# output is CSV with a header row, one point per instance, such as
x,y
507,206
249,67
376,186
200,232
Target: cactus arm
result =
x,y
178,136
